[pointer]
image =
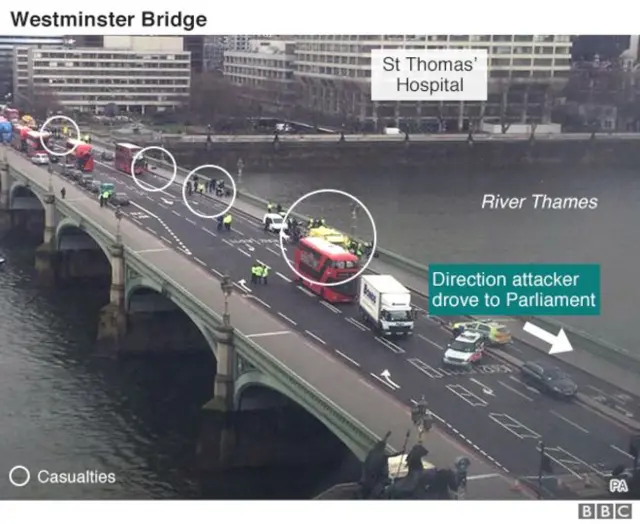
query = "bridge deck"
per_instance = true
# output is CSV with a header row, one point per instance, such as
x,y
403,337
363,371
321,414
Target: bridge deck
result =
x,y
373,407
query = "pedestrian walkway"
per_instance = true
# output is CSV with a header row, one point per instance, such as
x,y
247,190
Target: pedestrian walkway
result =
x,y
580,358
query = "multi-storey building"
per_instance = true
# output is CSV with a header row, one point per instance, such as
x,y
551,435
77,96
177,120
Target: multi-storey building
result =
x,y
266,68
135,74
7,44
334,75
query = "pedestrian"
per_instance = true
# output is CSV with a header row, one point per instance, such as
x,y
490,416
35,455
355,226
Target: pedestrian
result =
x,y
189,188
212,185
264,273
63,193
254,273
219,219
201,189
279,209
269,208
101,198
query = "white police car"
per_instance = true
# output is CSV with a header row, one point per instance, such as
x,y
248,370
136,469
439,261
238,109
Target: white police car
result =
x,y
274,223
465,350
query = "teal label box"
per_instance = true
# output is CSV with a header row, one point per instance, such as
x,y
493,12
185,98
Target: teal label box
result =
x,y
514,289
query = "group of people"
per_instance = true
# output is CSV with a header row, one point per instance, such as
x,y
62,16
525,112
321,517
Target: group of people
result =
x,y
276,209
104,198
224,222
207,186
259,273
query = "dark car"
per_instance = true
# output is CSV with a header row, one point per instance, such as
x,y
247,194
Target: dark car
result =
x,y
119,199
95,187
86,181
106,156
54,159
549,379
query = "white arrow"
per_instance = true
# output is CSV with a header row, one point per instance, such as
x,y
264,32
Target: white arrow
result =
x,y
249,247
242,283
485,389
168,202
559,343
387,376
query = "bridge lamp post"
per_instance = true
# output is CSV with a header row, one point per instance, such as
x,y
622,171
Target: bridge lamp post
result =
x,y
50,170
227,289
118,220
354,220
421,418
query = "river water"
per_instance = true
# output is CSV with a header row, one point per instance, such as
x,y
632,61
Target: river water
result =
x,y
64,409
435,216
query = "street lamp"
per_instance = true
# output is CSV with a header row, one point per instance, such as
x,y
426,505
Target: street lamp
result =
x,y
50,170
118,220
227,288
421,418
354,220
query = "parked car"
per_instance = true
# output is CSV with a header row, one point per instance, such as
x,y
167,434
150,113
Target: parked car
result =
x,y
86,181
94,187
40,159
54,159
549,379
119,199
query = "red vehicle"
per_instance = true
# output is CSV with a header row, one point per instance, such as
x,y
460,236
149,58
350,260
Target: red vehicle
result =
x,y
82,154
11,114
125,153
35,140
322,261
19,137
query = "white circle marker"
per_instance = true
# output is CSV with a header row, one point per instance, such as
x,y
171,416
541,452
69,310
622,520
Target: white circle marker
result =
x,y
43,130
19,469
144,185
373,227
233,187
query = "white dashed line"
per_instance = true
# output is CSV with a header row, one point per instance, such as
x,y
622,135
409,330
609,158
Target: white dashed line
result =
x,y
312,335
330,307
244,253
274,251
306,291
151,230
460,435
514,390
287,318
176,213
165,239
137,221
208,232
357,324
621,451
283,277
201,262
347,358
435,344
261,301
191,221
227,242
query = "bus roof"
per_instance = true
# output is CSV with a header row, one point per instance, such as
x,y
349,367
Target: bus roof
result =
x,y
126,145
37,134
327,248
74,141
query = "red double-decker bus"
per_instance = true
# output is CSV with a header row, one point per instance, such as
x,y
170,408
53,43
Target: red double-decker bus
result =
x,y
82,154
19,137
324,262
35,139
12,115
125,153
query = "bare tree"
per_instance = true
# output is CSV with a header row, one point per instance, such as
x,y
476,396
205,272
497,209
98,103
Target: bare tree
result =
x,y
42,102
213,98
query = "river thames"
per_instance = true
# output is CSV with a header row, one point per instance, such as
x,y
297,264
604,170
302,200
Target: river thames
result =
x,y
65,410
435,216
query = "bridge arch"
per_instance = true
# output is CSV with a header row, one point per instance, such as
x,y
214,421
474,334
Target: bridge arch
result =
x,y
20,189
140,283
70,225
255,378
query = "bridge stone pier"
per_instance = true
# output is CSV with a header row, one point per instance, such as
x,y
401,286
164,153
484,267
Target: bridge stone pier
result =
x,y
261,412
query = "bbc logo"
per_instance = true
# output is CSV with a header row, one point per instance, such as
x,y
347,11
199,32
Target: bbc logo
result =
x,y
605,511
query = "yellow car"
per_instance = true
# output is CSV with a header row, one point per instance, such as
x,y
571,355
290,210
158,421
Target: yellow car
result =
x,y
496,333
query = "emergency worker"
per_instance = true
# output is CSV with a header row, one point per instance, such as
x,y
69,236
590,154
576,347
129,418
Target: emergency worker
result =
x,y
227,221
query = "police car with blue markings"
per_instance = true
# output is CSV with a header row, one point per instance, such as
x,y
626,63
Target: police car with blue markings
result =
x,y
385,304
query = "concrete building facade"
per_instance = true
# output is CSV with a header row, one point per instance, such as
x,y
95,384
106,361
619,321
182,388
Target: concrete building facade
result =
x,y
266,66
135,74
333,75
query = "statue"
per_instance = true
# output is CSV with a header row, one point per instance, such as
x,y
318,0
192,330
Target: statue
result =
x,y
375,471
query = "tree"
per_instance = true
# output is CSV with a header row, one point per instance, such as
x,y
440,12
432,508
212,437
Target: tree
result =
x,y
214,97
42,102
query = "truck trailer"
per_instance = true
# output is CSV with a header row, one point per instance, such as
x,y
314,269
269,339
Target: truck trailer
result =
x,y
385,304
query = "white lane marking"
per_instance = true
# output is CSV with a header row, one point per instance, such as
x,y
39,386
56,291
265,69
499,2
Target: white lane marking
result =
x,y
428,370
201,262
244,252
176,213
151,230
570,462
191,221
431,342
461,436
137,222
357,324
391,386
283,277
512,426
485,475
527,386
270,334
261,301
274,251
227,242
287,318
261,262
214,270
621,451
330,307
390,345
470,398
305,291
312,335
237,231
165,239
208,232
163,224
570,422
626,413
347,358
514,390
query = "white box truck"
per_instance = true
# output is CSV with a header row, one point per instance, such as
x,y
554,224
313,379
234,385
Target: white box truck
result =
x,y
385,304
